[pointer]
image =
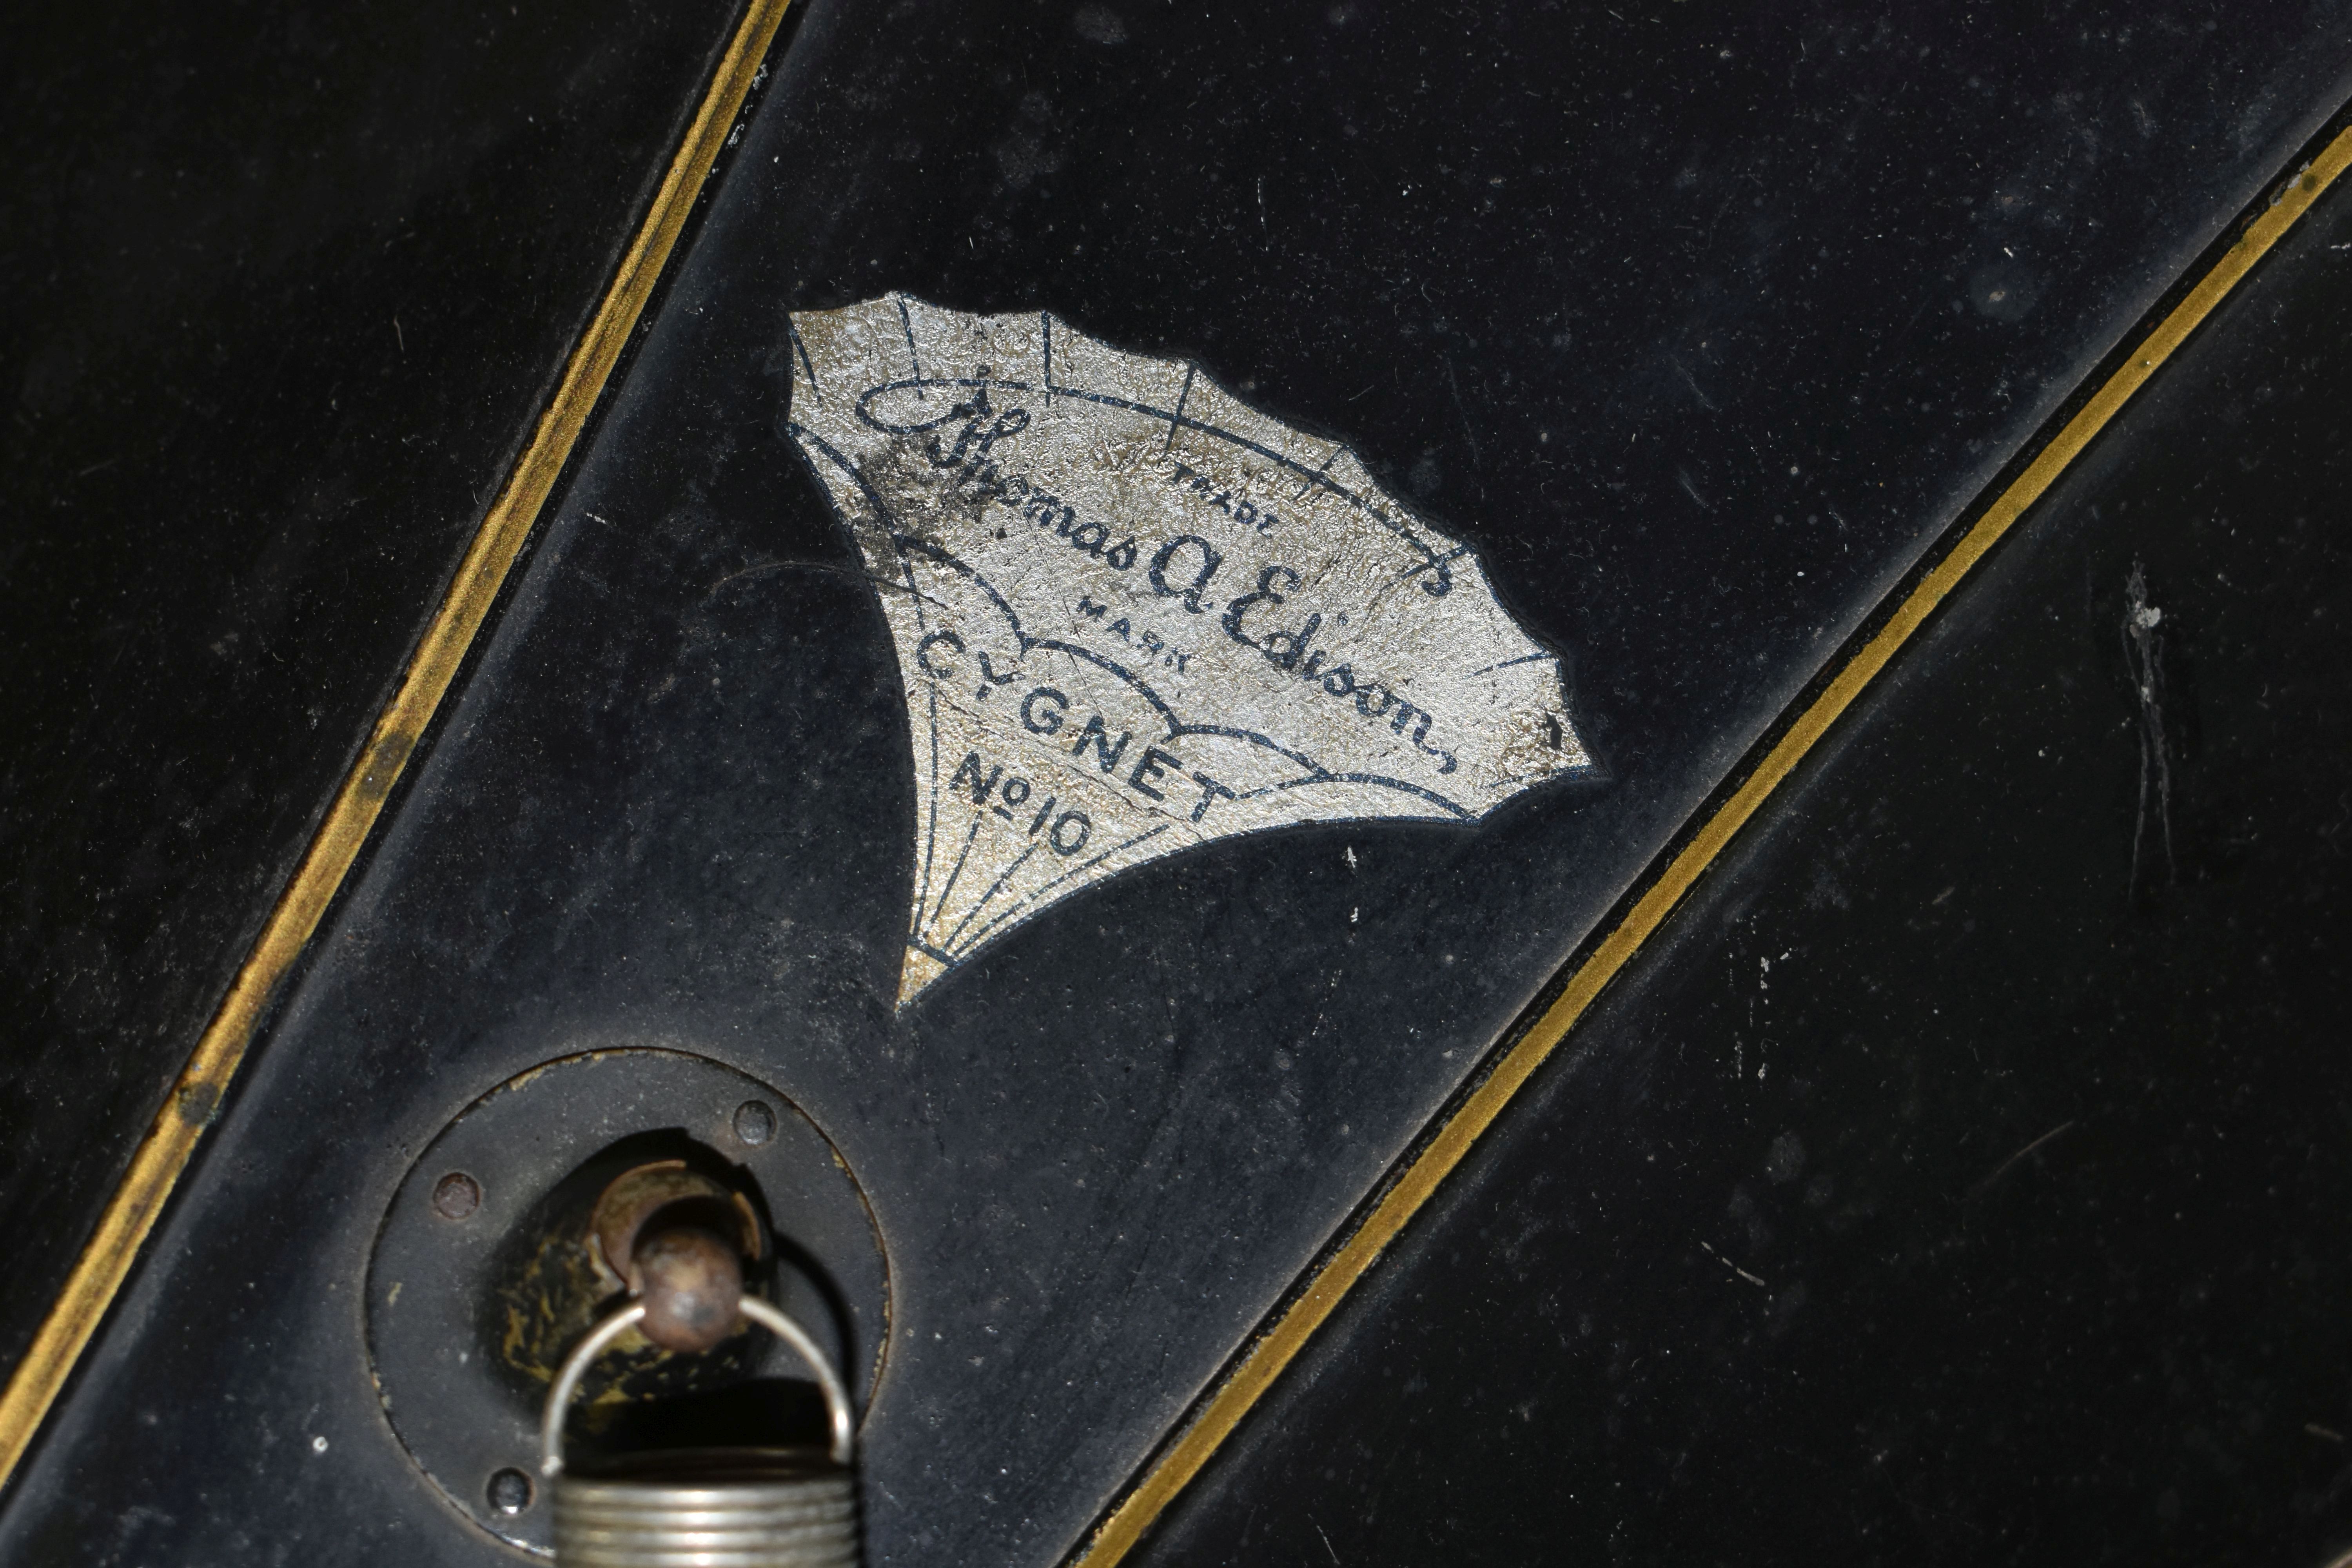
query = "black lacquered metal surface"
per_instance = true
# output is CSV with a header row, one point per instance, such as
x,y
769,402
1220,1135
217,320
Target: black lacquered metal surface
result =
x,y
279,294
1962,1180
1702,328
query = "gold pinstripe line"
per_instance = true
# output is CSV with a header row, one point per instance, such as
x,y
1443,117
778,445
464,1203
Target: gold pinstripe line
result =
x,y
155,1168
1265,1361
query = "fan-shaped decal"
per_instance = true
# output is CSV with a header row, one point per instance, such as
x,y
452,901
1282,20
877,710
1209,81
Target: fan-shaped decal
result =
x,y
1134,614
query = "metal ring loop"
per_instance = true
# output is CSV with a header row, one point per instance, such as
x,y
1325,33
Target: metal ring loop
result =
x,y
575,1367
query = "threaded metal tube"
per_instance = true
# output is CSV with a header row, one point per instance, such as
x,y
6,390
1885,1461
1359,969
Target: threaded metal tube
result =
x,y
713,1509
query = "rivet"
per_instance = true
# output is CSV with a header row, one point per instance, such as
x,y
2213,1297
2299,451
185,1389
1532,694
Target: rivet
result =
x,y
456,1195
754,1123
509,1491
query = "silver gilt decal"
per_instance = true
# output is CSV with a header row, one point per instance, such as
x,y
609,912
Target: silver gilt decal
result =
x,y
1134,614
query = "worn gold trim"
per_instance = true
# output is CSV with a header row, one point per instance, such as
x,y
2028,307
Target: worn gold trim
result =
x,y
1306,1312
164,1152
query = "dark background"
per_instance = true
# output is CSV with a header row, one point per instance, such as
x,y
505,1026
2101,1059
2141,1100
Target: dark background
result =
x,y
1703,324
2017,1093
281,291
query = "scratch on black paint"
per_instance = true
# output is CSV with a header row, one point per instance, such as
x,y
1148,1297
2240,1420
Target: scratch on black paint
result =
x,y
2143,648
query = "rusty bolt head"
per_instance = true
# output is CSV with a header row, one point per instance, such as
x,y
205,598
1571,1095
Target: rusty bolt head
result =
x,y
692,1286
637,1199
456,1195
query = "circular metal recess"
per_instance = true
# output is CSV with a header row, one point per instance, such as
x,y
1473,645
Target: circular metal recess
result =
x,y
481,1263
